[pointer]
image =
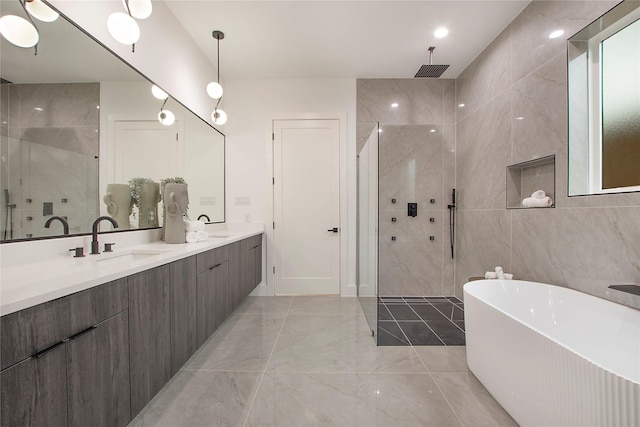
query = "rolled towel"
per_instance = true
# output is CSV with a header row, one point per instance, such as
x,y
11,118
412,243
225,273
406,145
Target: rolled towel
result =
x,y
534,202
202,235
493,275
193,225
499,273
538,194
191,237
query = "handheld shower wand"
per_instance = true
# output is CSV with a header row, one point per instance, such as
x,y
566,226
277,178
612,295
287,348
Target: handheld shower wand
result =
x,y
452,219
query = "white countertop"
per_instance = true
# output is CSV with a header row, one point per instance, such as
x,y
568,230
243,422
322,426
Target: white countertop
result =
x,y
27,284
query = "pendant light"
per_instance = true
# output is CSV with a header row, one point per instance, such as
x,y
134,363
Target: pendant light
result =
x,y
218,116
19,31
140,9
165,117
123,27
41,11
214,89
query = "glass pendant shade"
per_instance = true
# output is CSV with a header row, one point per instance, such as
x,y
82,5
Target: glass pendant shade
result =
x,y
18,31
159,93
123,28
214,90
41,11
166,117
140,9
219,117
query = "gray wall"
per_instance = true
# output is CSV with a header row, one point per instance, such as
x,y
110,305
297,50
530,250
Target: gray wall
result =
x,y
585,242
408,150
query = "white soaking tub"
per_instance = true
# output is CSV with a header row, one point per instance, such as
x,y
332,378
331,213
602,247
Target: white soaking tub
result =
x,y
553,356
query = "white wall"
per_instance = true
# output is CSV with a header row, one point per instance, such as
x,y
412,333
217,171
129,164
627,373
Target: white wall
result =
x,y
251,106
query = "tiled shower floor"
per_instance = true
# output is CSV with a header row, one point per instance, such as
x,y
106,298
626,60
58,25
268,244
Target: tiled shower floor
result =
x,y
436,321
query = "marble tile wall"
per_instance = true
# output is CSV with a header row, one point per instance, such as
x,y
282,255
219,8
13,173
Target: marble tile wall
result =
x,y
416,164
515,109
50,152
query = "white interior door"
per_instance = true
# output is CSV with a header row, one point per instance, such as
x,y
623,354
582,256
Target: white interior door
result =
x,y
147,149
306,207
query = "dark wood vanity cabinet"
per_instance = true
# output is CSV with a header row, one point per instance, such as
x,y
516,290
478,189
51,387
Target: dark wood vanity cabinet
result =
x,y
80,379
97,357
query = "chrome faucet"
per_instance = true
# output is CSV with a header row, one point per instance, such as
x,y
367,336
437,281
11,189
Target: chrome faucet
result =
x,y
95,248
65,224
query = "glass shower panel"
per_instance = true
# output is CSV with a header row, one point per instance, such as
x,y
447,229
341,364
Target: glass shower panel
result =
x,y
367,259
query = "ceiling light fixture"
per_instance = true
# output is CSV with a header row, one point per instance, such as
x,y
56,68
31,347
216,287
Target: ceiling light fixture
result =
x,y
441,32
19,31
394,105
159,93
123,27
41,11
165,117
214,89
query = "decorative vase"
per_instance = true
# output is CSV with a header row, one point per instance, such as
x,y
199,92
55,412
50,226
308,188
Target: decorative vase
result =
x,y
118,201
176,203
148,209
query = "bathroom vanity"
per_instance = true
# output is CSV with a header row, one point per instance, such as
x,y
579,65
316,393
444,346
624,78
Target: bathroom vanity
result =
x,y
126,324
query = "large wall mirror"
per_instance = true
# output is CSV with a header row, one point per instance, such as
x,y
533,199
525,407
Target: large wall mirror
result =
x,y
604,104
76,119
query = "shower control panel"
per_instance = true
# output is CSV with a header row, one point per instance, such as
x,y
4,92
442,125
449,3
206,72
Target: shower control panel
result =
x,y
412,209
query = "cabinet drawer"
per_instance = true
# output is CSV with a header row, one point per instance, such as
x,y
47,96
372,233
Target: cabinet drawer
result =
x,y
34,329
210,259
97,304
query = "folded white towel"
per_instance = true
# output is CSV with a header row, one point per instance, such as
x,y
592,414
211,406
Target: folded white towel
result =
x,y
499,273
493,275
191,237
534,202
193,225
538,194
202,235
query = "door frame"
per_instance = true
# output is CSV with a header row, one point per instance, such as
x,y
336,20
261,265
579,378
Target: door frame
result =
x,y
345,288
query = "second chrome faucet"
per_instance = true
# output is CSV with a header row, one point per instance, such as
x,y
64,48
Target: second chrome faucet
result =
x,y
95,246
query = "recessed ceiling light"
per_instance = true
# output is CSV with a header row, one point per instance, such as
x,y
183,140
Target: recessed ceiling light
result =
x,y
460,105
394,105
441,32
432,130
39,109
379,130
555,34
520,118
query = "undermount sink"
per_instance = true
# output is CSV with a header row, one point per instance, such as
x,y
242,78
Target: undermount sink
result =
x,y
127,256
218,236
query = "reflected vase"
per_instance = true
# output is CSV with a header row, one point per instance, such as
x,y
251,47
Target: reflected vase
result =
x,y
176,203
118,201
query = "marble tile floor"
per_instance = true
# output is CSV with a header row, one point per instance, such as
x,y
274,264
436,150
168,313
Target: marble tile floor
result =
x,y
420,321
311,361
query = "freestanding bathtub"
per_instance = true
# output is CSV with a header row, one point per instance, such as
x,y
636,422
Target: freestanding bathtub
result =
x,y
552,356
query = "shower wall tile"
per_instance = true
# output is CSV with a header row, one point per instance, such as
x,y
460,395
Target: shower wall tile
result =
x,y
586,242
66,104
78,139
449,182
486,77
578,247
539,111
482,154
410,165
483,241
449,101
419,100
412,264
531,45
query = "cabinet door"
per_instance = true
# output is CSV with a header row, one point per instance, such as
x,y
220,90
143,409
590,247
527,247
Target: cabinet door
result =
x,y
248,268
257,277
184,324
236,290
98,375
34,329
212,299
149,334
34,391
90,307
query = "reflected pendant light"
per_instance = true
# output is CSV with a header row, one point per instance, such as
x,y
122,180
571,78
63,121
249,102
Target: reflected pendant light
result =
x,y
19,31
159,93
139,9
219,117
165,117
123,28
41,11
214,89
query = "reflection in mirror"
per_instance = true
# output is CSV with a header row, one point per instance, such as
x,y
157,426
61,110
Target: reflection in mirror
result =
x,y
604,104
76,119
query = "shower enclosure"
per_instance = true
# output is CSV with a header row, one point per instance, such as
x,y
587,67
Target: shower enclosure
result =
x,y
405,268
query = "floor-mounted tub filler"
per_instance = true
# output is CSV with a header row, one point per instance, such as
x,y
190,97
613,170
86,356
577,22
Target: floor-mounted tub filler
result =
x,y
553,356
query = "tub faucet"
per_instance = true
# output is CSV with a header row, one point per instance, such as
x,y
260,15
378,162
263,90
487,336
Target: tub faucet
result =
x,y
65,224
95,248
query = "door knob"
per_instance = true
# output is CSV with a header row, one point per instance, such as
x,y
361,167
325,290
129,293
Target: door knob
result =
x,y
334,229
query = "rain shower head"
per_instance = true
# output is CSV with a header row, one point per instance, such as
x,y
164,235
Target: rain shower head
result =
x,y
431,71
